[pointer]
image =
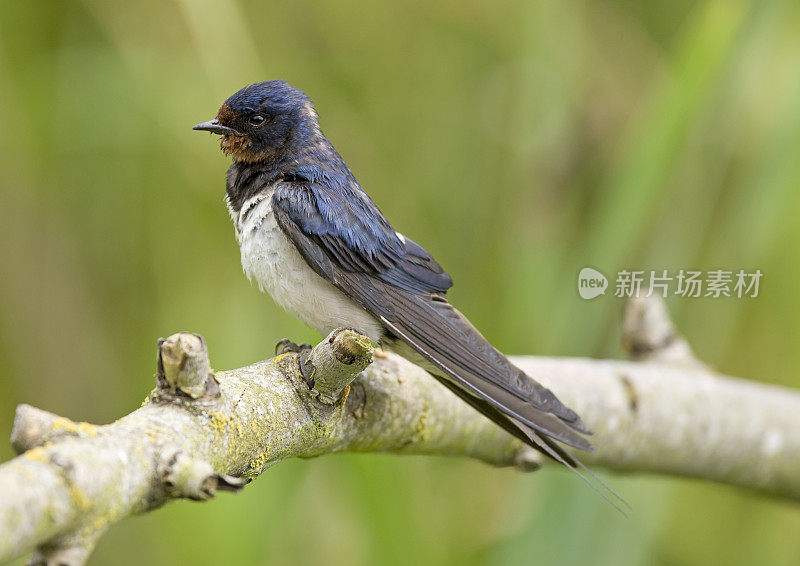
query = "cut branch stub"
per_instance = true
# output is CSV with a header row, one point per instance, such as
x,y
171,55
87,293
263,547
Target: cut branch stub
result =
x,y
31,427
34,427
183,365
195,479
648,334
336,361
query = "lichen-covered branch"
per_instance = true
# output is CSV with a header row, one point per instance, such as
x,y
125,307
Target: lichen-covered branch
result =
x,y
200,432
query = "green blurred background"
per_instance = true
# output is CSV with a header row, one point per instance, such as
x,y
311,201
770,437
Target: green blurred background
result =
x,y
518,141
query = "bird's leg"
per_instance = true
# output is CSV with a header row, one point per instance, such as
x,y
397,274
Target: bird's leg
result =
x,y
303,351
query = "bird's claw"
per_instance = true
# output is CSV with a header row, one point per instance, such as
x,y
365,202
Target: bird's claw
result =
x,y
286,346
303,352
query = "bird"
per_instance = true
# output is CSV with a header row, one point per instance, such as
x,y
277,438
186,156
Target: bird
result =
x,y
311,237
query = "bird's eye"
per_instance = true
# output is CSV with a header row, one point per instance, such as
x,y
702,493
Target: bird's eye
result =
x,y
257,119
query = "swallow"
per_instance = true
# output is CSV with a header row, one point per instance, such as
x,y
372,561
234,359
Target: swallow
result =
x,y
312,238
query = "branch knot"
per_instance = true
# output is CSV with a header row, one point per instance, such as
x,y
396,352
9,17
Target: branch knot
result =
x,y
183,365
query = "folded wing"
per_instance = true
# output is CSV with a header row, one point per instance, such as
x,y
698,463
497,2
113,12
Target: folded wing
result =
x,y
348,242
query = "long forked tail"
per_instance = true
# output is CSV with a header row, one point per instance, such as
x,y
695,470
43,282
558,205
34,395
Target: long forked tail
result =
x,y
543,444
558,454
485,379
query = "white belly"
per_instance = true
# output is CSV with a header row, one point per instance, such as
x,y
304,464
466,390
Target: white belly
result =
x,y
272,260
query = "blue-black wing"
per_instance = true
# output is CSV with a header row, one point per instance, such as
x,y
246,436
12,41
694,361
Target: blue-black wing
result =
x,y
347,241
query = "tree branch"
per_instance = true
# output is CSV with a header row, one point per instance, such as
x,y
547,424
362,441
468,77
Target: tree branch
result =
x,y
198,432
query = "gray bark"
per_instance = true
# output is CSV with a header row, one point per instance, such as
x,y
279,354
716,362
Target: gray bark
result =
x,y
198,433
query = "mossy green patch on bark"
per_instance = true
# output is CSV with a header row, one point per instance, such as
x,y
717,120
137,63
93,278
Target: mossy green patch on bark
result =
x,y
82,429
257,465
38,454
79,498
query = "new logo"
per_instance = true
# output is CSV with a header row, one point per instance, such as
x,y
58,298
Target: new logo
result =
x,y
591,283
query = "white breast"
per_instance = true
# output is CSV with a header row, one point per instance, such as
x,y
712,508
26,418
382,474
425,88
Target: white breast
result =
x,y
272,260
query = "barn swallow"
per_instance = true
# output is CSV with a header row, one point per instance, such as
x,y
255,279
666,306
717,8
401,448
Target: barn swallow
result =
x,y
313,239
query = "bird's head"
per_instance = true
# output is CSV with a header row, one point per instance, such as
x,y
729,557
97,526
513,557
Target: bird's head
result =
x,y
258,122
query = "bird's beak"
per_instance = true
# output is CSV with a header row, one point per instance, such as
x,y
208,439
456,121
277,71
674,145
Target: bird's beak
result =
x,y
215,127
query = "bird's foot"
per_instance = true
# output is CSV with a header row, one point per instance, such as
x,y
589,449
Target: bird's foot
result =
x,y
286,346
303,351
